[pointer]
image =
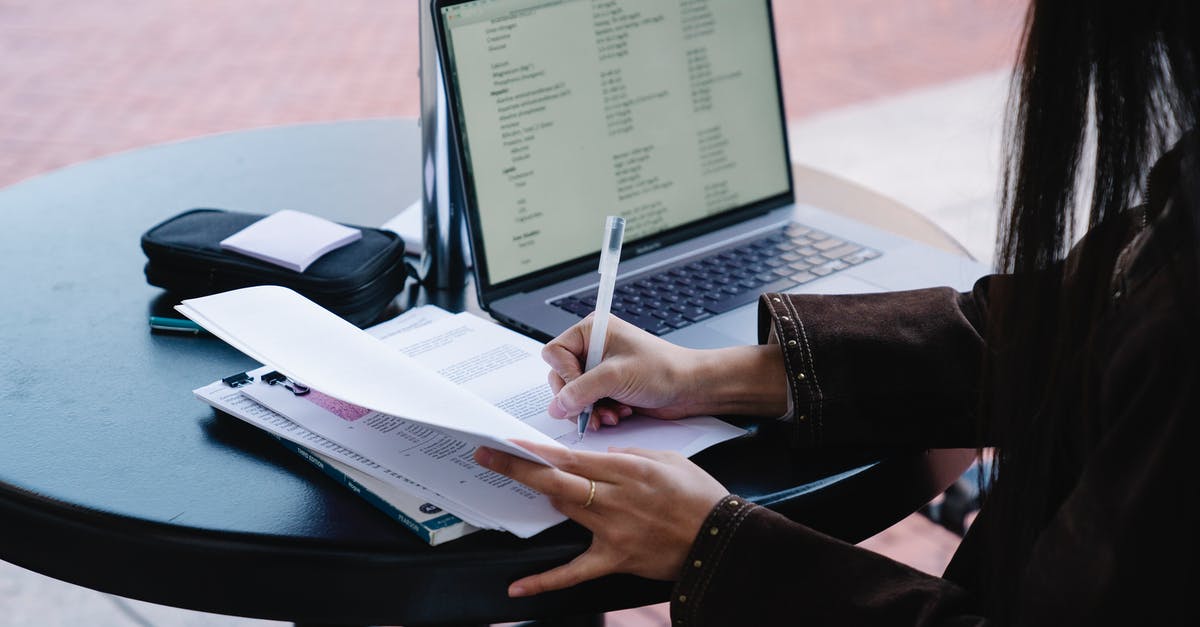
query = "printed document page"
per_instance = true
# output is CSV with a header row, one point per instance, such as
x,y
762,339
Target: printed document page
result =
x,y
437,460
232,401
467,357
295,336
505,369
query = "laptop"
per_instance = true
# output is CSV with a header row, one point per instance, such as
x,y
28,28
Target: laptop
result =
x,y
668,113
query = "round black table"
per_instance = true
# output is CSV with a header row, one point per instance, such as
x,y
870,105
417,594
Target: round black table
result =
x,y
113,477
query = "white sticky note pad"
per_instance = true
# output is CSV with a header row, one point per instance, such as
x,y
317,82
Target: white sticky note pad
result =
x,y
291,239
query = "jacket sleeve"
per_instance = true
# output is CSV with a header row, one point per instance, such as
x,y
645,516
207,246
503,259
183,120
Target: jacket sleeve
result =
x,y
751,566
888,369
897,369
1112,552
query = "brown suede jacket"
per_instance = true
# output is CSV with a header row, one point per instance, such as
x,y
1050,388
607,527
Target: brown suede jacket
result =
x,y
902,369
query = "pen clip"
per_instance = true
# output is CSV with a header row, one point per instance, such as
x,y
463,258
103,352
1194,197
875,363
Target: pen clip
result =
x,y
273,377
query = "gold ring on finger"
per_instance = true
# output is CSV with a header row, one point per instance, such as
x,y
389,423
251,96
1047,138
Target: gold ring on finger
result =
x,y
591,493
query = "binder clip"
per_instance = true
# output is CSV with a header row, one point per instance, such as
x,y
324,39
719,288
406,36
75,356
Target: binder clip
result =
x,y
272,378
238,380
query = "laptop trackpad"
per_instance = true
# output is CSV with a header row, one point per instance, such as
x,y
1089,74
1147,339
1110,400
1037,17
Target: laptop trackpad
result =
x,y
742,323
840,284
740,326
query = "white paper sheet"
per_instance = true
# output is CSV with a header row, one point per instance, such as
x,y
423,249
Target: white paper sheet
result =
x,y
409,225
506,370
295,336
291,239
437,460
444,358
233,402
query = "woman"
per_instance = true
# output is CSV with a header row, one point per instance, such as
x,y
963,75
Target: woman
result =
x,y
1078,364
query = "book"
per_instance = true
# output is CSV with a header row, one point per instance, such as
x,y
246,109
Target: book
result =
x,y
425,519
399,500
417,399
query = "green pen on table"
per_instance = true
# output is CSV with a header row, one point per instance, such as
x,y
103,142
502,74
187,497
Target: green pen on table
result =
x,y
176,325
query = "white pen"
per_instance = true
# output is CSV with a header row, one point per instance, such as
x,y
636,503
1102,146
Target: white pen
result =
x,y
610,256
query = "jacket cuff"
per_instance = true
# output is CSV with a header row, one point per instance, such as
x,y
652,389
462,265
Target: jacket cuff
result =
x,y
705,557
780,321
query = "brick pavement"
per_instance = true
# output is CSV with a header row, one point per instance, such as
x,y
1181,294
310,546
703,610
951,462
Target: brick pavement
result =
x,y
79,79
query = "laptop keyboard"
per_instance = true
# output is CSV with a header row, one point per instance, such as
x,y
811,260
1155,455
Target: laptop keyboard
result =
x,y
676,296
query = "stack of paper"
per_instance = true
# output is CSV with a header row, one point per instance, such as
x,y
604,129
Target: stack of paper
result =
x,y
291,239
416,395
409,225
406,502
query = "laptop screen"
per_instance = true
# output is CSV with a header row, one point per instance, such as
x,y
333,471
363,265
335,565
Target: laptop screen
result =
x,y
665,112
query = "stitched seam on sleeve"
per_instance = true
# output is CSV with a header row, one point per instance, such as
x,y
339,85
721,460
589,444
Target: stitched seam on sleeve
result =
x,y
778,310
818,399
702,548
697,595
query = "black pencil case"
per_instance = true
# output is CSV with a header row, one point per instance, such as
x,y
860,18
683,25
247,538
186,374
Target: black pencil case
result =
x,y
356,281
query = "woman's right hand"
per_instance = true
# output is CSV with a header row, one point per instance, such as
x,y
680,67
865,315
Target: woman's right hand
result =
x,y
639,372
645,374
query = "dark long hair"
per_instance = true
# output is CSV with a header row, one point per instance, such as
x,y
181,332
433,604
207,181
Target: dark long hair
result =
x,y
1119,76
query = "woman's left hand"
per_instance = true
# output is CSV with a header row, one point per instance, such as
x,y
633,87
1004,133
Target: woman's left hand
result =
x,y
644,514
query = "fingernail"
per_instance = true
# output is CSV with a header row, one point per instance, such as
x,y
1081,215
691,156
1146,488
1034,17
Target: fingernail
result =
x,y
516,591
609,420
483,456
556,409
